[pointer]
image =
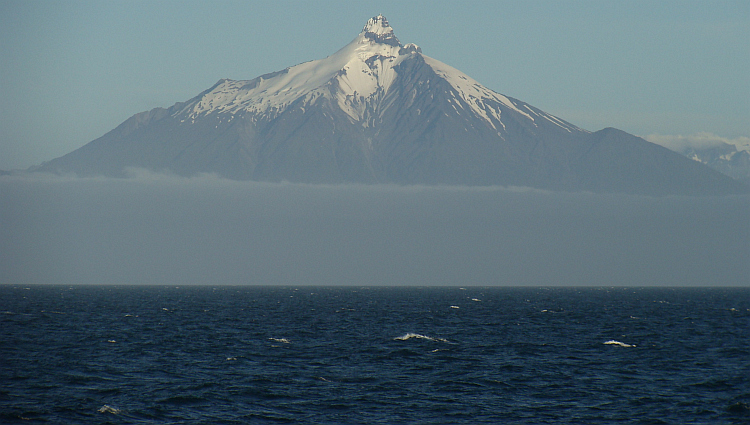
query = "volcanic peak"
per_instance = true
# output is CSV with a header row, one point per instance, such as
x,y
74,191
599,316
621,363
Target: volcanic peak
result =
x,y
378,30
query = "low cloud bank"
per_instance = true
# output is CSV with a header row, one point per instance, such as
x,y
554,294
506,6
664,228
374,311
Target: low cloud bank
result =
x,y
157,229
698,141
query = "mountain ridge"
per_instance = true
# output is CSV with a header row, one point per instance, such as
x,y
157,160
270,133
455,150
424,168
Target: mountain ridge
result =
x,y
378,111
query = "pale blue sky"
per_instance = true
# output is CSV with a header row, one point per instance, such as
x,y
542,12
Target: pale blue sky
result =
x,y
72,70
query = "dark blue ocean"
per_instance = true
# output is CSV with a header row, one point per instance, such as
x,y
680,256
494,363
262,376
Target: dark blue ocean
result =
x,y
350,355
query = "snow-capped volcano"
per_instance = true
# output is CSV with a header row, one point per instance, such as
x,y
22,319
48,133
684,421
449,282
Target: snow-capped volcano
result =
x,y
359,73
357,78
378,111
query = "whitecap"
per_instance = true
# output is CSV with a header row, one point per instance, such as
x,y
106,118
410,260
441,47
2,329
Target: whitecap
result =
x,y
618,343
282,340
411,335
455,306
345,309
108,409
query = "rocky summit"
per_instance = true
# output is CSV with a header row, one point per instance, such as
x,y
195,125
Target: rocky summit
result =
x,y
378,111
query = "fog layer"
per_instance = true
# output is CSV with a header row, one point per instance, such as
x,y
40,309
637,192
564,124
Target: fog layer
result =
x,y
152,229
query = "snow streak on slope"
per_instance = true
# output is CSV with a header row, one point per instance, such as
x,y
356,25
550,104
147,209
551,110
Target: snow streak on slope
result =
x,y
483,101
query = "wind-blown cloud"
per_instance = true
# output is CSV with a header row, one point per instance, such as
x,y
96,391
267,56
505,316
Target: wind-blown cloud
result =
x,y
698,141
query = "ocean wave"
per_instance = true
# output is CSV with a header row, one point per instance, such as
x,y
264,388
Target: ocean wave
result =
x,y
411,335
618,343
108,409
282,340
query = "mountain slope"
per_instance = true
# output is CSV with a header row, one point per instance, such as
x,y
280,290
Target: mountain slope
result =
x,y
378,111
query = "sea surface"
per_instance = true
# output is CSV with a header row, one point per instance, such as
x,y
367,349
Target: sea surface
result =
x,y
373,355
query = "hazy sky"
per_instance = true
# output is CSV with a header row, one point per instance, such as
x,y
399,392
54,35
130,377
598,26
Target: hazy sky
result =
x,y
72,70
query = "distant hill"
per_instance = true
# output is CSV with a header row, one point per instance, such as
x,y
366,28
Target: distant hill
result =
x,y
730,159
